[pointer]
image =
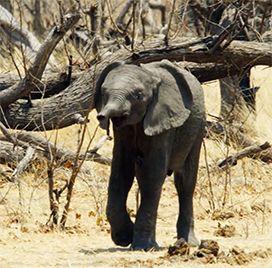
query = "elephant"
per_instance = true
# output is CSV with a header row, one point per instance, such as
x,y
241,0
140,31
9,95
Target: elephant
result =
x,y
158,117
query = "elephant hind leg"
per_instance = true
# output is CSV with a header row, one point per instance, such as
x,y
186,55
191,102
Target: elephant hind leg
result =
x,y
185,224
185,181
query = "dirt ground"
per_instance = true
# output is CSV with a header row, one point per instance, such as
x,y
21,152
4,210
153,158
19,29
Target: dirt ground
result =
x,y
86,241
231,208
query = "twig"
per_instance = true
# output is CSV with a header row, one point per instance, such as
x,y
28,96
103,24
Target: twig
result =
x,y
70,69
54,206
227,180
76,168
22,165
3,174
233,38
166,39
209,177
11,138
100,144
223,35
59,192
133,24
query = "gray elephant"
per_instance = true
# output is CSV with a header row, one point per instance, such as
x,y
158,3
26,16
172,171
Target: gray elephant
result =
x,y
158,116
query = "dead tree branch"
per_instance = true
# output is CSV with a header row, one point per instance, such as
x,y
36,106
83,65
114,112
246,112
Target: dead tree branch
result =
x,y
250,151
10,155
18,36
246,148
35,72
23,164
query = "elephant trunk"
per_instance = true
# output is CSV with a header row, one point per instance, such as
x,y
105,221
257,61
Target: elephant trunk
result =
x,y
105,114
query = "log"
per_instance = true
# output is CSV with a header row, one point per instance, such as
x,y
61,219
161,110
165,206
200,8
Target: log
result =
x,y
51,84
238,53
19,148
44,146
63,109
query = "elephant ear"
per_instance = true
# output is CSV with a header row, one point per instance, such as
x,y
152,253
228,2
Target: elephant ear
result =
x,y
97,93
172,100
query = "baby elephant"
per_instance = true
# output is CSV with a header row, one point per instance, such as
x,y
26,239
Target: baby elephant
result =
x,y
158,116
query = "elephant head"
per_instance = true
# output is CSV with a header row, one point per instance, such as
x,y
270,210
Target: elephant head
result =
x,y
157,93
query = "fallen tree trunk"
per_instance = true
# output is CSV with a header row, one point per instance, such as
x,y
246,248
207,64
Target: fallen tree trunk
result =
x,y
73,104
51,84
10,155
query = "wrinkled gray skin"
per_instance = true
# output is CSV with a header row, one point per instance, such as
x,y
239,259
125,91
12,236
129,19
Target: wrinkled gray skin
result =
x,y
158,117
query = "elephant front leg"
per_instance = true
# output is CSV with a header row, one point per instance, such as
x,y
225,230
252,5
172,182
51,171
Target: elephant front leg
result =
x,y
144,237
121,179
121,224
150,174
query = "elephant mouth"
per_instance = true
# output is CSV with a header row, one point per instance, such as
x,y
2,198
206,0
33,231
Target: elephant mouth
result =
x,y
118,121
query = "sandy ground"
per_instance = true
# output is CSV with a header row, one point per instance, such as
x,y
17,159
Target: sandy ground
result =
x,y
26,240
87,243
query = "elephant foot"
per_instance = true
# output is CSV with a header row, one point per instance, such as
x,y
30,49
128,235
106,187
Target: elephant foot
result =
x,y
192,241
122,235
144,244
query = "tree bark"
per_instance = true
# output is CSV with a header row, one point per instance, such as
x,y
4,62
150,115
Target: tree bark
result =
x,y
51,84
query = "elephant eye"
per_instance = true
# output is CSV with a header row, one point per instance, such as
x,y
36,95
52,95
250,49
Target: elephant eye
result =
x,y
138,95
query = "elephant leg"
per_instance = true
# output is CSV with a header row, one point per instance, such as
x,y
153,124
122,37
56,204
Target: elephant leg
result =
x,y
150,176
185,182
121,179
144,230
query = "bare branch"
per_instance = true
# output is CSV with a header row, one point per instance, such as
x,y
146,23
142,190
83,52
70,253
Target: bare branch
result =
x,y
100,143
35,72
23,164
249,151
59,152
18,35
166,38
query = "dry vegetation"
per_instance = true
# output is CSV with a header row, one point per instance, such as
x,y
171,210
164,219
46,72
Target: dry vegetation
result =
x,y
232,207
